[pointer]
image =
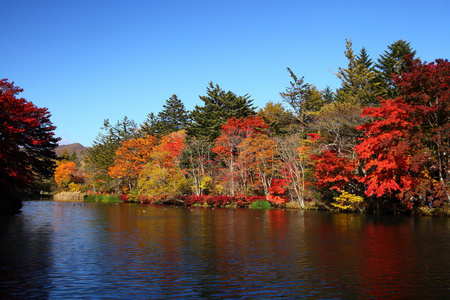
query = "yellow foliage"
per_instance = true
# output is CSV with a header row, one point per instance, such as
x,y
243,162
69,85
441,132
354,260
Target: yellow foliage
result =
x,y
348,202
207,183
159,181
74,187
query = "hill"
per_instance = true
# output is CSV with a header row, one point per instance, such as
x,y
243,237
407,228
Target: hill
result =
x,y
79,149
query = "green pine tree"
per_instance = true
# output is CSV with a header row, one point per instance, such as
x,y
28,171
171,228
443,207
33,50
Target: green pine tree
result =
x,y
328,95
218,107
102,154
73,157
303,98
358,79
172,118
392,62
64,156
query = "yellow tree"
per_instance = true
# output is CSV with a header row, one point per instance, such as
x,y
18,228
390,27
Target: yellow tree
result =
x,y
161,183
162,177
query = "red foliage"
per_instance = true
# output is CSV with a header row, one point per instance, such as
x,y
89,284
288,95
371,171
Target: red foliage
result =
x,y
235,131
387,148
313,136
27,140
405,151
333,172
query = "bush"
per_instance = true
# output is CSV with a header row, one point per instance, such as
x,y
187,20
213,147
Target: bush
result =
x,y
348,202
260,204
102,198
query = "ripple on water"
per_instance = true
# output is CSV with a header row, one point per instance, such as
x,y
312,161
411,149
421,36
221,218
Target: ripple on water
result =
x,y
59,250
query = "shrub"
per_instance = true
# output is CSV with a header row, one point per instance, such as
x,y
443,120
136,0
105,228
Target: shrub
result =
x,y
260,204
348,202
102,198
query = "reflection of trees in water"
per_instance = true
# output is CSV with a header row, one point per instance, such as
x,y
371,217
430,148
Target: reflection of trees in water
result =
x,y
103,250
24,257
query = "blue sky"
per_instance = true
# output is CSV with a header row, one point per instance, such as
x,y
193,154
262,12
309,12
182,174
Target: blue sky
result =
x,y
87,61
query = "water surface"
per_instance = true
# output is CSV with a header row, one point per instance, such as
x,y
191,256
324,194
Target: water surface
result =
x,y
132,251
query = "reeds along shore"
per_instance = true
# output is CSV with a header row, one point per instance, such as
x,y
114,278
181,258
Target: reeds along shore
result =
x,y
69,196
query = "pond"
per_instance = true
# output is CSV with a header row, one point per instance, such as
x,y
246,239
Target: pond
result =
x,y
133,251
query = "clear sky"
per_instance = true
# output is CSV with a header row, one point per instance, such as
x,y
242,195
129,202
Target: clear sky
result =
x,y
87,61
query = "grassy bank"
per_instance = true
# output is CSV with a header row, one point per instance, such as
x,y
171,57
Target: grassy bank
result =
x,y
102,198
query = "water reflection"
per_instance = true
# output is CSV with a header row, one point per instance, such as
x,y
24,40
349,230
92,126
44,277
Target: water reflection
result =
x,y
140,251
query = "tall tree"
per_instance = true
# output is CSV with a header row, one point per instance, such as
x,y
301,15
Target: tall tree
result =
x,y
328,95
407,143
162,176
392,62
27,141
280,120
358,79
219,106
294,152
131,159
259,156
303,98
197,162
233,133
102,154
174,117
364,60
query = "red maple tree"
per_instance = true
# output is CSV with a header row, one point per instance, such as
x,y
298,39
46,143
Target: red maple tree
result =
x,y
406,148
27,140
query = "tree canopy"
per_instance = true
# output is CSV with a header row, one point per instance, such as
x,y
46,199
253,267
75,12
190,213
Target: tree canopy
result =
x,y
219,106
27,140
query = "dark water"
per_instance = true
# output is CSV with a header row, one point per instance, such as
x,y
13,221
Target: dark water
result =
x,y
66,250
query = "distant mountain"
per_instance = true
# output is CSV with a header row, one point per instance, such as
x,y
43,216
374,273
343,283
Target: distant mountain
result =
x,y
77,147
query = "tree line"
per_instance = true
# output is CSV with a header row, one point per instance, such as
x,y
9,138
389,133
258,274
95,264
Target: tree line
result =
x,y
378,142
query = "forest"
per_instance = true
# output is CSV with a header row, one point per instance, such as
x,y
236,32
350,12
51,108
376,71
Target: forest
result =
x,y
378,143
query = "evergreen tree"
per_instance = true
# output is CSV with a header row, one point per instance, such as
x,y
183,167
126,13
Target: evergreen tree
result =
x,y
73,157
364,60
172,118
328,95
393,61
64,156
358,79
102,154
219,106
150,126
303,98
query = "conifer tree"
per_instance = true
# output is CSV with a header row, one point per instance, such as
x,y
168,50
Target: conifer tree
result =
x,y
174,117
358,79
219,106
392,62
64,156
328,95
73,157
364,60
303,98
102,154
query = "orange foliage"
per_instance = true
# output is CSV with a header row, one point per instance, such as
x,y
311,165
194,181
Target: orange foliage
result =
x,y
169,149
67,172
132,156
